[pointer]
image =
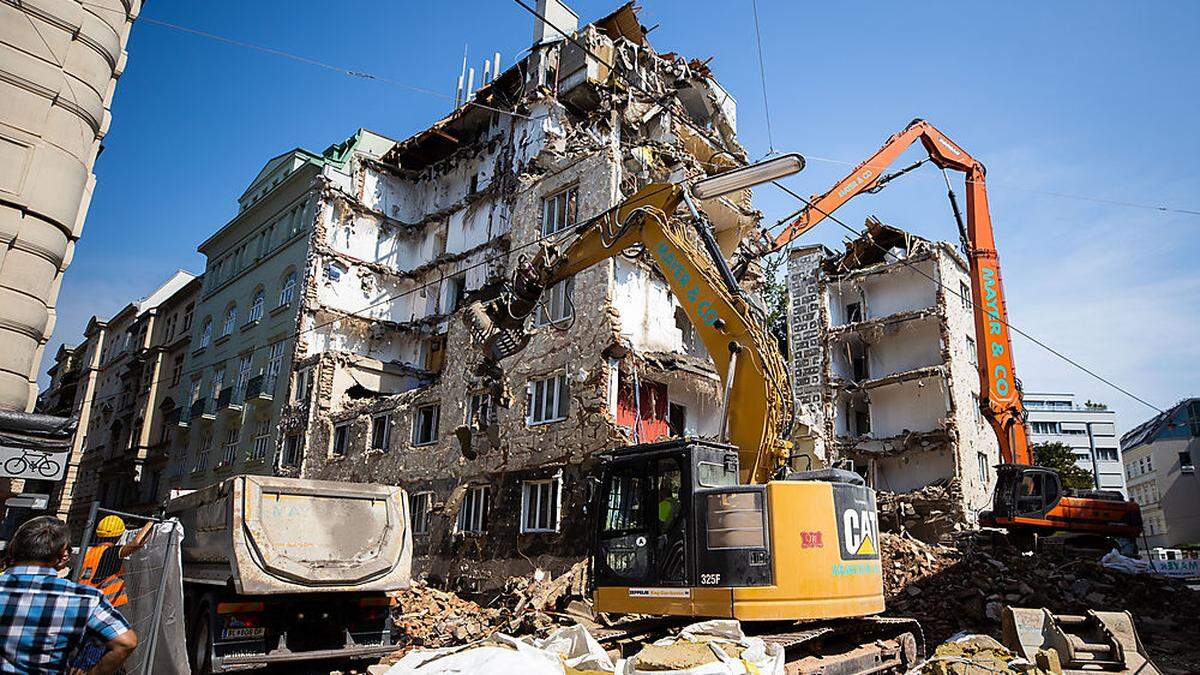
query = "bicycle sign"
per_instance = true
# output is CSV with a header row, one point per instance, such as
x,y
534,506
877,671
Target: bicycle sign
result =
x,y
29,463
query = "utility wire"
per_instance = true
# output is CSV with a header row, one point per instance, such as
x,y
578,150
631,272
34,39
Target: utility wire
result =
x,y
956,294
762,76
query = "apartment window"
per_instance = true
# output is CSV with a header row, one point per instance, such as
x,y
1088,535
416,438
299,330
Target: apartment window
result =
x,y
419,504
473,513
854,312
274,365
1107,454
539,505
1149,460
982,460
196,386
477,413
557,303
170,327
1185,462
187,316
425,425
964,294
381,432
1044,427
291,450
288,290
231,443
341,437
558,211
547,399
256,306
1194,417
262,440
177,371
202,454
243,378
218,383
972,355
206,333
456,292
300,387
230,320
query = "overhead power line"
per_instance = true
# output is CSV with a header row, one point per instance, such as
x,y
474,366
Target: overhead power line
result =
x,y
762,76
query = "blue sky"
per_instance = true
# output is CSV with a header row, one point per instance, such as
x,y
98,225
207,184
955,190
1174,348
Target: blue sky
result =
x,y
1096,99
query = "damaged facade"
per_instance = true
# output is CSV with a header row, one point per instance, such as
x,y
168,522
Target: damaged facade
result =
x,y
884,366
403,243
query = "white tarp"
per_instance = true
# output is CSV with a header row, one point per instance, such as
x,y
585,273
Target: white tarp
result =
x,y
154,568
732,653
1181,569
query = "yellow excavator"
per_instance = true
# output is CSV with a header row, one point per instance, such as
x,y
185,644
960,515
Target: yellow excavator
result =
x,y
727,527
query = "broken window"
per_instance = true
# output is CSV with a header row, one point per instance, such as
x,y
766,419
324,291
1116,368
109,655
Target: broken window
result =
x,y
229,451
547,399
558,211
858,362
540,505
381,432
677,419
262,440
341,438
473,513
433,352
557,305
456,292
334,271
478,411
302,384
419,504
854,312
291,450
425,425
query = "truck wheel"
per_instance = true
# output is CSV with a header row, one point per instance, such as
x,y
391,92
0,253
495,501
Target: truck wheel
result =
x,y
200,641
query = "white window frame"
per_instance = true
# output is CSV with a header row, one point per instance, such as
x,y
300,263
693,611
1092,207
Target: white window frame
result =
x,y
386,419
984,469
535,494
288,291
342,430
274,365
557,306
303,382
230,320
548,400
557,211
419,505
474,510
972,352
256,306
243,378
262,440
286,459
205,333
964,291
229,449
416,424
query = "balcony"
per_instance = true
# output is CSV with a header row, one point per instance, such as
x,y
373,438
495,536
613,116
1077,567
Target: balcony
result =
x,y
260,389
229,399
205,409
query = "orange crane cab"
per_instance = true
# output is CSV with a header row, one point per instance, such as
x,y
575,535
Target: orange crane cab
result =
x,y
1027,499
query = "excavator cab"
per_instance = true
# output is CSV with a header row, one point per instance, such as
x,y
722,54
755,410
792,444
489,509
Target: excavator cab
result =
x,y
1024,491
668,510
1031,500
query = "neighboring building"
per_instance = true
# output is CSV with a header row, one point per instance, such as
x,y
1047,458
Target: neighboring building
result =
x,y
1160,458
884,365
1090,430
59,63
387,385
243,338
123,391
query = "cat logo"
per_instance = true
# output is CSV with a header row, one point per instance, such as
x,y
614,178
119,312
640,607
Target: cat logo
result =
x,y
861,528
857,522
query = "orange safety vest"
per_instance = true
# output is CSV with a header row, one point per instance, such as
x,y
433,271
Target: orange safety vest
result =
x,y
113,586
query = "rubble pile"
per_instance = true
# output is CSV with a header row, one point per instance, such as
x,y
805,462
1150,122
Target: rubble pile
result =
x,y
927,513
965,584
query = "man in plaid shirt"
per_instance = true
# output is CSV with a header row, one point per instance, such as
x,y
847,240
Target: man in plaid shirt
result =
x,y
44,619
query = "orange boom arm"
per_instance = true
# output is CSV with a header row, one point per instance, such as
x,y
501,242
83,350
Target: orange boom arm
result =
x,y
998,379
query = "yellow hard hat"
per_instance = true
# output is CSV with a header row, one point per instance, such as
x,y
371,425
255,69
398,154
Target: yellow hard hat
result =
x,y
110,526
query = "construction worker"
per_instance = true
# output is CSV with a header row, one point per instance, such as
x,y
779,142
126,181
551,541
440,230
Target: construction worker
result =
x,y
103,565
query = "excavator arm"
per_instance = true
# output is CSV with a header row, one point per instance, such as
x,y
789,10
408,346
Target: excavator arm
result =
x,y
743,354
998,380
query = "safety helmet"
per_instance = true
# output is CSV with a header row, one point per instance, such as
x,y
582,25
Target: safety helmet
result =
x,y
110,526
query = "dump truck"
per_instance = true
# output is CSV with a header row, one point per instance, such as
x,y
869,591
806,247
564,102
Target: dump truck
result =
x,y
290,571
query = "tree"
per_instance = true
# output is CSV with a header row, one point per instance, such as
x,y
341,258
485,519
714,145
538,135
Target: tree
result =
x,y
1059,457
775,301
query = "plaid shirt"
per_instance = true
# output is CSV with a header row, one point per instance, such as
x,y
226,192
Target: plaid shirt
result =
x,y
43,619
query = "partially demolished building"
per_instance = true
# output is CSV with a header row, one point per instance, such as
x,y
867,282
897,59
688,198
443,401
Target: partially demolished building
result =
x,y
884,368
384,387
